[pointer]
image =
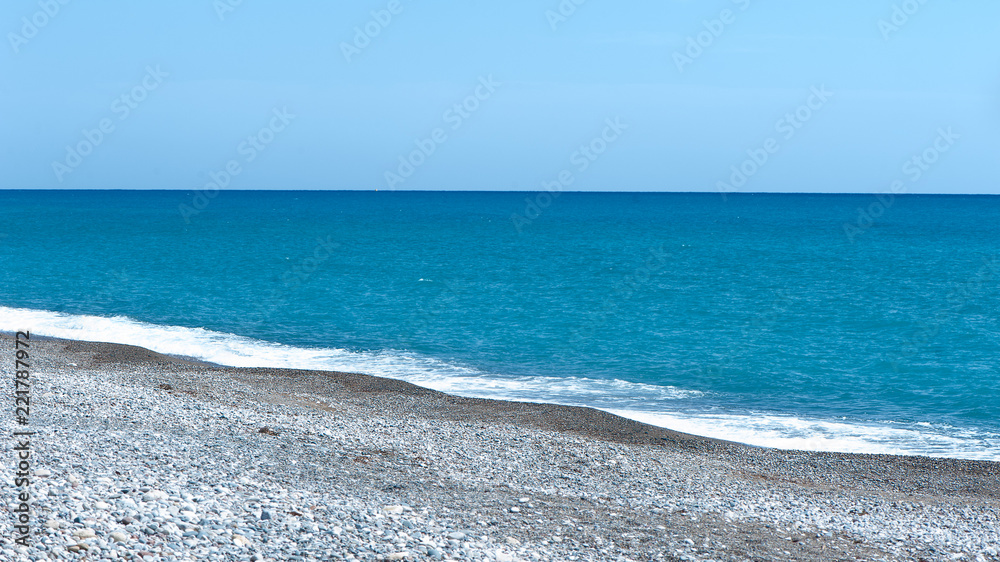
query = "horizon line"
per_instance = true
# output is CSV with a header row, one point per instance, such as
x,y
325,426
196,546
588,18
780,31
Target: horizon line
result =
x,y
726,194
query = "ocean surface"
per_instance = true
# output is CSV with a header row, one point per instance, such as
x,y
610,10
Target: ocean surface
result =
x,y
822,322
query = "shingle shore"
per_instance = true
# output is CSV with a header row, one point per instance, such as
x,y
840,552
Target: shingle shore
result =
x,y
142,456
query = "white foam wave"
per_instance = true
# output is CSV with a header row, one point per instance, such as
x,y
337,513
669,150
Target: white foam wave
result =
x,y
656,405
795,433
239,351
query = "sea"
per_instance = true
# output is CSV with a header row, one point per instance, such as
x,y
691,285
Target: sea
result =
x,y
851,323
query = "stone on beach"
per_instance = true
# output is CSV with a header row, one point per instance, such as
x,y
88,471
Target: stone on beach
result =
x,y
154,495
178,476
85,533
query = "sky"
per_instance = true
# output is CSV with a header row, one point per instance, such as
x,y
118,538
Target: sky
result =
x,y
646,95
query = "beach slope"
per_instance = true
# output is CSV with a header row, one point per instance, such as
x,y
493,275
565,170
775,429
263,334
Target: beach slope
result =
x,y
140,454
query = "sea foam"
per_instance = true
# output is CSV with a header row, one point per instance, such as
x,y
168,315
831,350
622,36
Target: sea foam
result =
x,y
662,406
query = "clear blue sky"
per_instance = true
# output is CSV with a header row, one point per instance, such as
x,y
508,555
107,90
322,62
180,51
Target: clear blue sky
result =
x,y
220,75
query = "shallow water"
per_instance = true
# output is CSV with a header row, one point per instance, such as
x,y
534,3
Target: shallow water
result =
x,y
781,320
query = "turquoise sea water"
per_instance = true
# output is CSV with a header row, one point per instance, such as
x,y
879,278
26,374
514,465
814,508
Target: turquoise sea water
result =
x,y
782,320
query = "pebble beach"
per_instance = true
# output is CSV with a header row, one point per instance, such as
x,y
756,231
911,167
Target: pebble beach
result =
x,y
141,456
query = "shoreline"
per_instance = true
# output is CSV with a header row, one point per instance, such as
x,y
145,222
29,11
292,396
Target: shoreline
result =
x,y
643,490
769,425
